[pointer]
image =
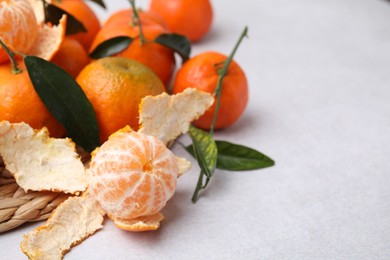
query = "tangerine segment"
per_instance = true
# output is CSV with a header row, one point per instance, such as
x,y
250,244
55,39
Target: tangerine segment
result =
x,y
132,175
18,26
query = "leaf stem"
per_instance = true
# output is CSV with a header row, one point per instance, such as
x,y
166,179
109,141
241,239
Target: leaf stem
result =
x,y
222,73
11,56
137,21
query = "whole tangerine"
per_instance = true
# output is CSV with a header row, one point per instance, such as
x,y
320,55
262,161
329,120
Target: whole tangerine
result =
x,y
192,18
115,87
21,103
71,57
157,57
128,13
201,72
83,13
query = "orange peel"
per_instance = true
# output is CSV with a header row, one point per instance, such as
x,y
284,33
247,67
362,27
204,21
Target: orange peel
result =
x,y
39,10
72,221
48,40
41,163
168,116
140,224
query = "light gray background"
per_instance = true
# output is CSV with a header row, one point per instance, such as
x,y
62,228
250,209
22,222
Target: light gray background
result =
x,y
319,74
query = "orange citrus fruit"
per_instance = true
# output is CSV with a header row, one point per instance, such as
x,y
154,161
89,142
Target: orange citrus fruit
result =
x,y
20,102
71,57
128,14
115,87
132,175
201,72
83,13
18,26
157,57
192,18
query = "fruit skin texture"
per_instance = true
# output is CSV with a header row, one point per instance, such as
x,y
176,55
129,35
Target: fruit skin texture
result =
x,y
157,57
20,102
18,27
115,87
71,57
192,18
132,175
143,14
82,12
201,72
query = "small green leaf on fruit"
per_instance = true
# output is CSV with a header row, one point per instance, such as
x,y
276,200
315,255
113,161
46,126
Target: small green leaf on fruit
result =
x,y
65,99
53,14
178,43
204,150
111,47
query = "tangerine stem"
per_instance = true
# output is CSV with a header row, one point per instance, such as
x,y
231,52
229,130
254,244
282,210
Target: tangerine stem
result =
x,y
137,21
222,73
199,186
11,56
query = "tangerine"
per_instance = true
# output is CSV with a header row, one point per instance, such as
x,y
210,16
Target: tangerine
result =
x,y
20,102
157,57
18,26
128,13
115,87
201,72
192,18
83,13
132,175
71,57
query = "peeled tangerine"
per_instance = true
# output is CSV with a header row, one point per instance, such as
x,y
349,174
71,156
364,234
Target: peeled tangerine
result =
x,y
23,30
132,175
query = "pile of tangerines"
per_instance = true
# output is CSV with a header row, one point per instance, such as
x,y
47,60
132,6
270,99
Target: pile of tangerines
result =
x,y
115,86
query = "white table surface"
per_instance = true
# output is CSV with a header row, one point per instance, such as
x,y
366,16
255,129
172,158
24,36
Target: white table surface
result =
x,y
319,74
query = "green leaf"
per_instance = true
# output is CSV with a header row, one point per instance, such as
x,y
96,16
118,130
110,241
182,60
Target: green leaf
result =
x,y
176,42
235,157
110,47
204,149
54,14
65,99
100,3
